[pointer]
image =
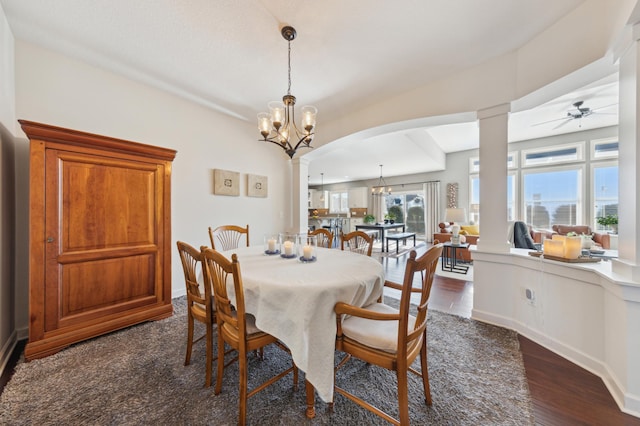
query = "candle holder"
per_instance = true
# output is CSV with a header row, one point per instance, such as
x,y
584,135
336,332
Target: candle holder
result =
x,y
288,246
271,244
307,245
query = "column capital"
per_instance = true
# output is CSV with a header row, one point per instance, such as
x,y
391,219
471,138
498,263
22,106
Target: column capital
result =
x,y
494,111
300,161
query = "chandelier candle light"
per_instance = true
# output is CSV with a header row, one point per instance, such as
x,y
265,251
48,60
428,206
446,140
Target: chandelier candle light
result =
x,y
278,125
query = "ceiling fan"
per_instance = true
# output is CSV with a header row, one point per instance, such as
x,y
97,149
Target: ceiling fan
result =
x,y
577,113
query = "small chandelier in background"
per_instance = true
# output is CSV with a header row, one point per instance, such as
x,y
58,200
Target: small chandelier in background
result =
x,y
381,188
278,125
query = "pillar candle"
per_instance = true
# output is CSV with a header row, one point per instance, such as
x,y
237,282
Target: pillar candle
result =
x,y
288,248
572,247
307,252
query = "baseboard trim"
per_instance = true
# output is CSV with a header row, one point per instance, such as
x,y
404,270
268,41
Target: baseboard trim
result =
x,y
7,351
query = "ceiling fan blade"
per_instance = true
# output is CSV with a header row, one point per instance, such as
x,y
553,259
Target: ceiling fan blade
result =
x,y
603,107
567,120
549,121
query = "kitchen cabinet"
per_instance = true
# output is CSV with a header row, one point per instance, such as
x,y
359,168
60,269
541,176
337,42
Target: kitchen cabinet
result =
x,y
100,236
358,197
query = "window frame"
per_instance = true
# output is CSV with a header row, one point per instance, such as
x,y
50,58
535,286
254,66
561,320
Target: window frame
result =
x,y
579,146
596,142
594,165
474,162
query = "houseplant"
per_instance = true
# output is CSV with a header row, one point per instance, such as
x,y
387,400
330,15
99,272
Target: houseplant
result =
x,y
389,217
610,221
369,218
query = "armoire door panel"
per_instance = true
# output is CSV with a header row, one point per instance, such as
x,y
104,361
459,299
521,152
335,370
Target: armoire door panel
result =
x,y
112,203
93,289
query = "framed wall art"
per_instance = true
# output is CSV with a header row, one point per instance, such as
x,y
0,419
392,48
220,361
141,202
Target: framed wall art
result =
x,y
226,182
257,186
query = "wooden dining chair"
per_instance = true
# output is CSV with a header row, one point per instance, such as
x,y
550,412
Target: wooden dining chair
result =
x,y
358,242
200,307
325,237
237,328
391,338
228,237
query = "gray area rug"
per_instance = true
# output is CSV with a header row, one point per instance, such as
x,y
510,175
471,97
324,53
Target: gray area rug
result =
x,y
136,376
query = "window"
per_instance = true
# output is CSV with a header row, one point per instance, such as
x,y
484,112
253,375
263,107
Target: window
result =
x,y
474,201
605,193
553,155
338,202
553,197
604,148
512,162
408,208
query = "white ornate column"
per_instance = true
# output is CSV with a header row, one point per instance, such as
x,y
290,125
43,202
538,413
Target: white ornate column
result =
x,y
494,149
300,194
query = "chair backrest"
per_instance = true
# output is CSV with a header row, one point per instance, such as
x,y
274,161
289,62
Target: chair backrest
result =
x,y
325,237
217,271
199,304
411,340
228,237
358,242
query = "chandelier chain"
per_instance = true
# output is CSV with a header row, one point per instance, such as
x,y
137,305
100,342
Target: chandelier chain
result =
x,y
289,70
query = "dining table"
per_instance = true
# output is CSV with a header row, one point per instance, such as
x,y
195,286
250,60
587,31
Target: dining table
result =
x,y
381,228
294,301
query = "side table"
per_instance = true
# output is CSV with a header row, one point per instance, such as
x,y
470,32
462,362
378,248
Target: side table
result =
x,y
449,261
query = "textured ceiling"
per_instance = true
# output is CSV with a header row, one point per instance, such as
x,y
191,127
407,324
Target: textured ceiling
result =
x,y
229,55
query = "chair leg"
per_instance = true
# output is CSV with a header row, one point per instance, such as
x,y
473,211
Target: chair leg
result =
x,y
187,359
209,354
425,371
242,394
403,396
220,364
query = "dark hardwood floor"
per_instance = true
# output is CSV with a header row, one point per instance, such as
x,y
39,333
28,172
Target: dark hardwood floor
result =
x,y
562,393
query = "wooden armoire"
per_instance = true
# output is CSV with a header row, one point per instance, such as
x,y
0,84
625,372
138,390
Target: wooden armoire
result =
x,y
100,236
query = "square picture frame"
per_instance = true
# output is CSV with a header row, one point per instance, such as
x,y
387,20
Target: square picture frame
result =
x,y
257,186
226,182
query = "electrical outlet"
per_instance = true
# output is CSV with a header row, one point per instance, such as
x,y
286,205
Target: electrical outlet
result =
x,y
530,295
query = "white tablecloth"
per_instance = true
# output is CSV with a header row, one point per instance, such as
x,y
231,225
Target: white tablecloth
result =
x,y
294,302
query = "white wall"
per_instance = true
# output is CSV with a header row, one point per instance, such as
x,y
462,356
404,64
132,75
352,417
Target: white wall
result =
x,y
57,90
7,194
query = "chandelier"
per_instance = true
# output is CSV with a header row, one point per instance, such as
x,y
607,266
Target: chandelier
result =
x,y
278,125
381,189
